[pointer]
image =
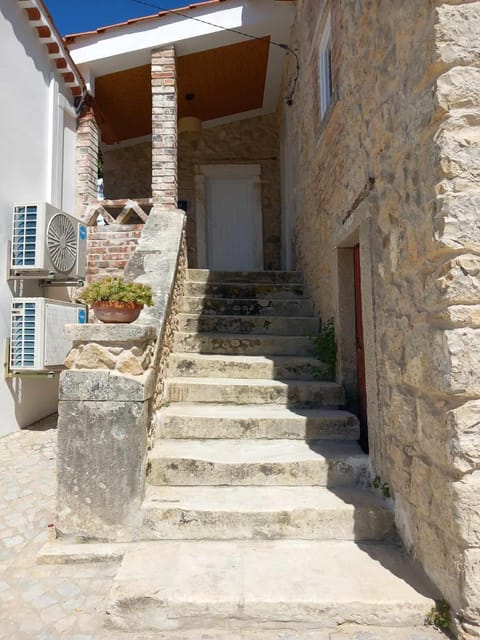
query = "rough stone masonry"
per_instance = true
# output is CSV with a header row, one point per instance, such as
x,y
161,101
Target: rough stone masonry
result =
x,y
406,112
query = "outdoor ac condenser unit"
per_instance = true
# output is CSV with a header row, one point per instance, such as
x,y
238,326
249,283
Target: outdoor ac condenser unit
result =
x,y
37,342
47,243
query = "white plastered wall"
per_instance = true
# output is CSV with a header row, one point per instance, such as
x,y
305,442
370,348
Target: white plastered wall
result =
x,y
37,164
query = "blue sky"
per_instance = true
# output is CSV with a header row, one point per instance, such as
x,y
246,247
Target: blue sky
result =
x,y
72,16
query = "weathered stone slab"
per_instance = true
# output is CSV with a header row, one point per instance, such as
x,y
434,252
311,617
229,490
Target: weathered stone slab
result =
x,y
61,552
251,367
205,275
96,385
261,291
459,88
241,344
244,391
101,332
464,422
233,513
101,467
457,223
306,326
247,306
179,585
458,33
257,462
216,421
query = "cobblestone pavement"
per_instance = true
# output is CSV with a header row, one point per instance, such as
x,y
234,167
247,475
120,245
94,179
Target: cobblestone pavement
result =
x,y
52,602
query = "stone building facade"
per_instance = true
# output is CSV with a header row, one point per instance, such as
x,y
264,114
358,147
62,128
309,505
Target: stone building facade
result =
x,y
393,166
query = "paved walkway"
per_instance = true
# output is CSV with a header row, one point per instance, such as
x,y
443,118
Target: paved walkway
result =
x,y
45,602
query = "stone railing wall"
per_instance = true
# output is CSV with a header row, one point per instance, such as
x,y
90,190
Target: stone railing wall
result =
x,y
114,227
109,248
107,395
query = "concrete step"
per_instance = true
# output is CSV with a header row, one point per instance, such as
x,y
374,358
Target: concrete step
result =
x,y
273,325
185,585
251,367
223,421
244,391
239,290
232,343
235,513
279,277
257,462
246,306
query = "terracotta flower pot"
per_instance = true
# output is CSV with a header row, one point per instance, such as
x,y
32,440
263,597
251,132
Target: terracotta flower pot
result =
x,y
116,312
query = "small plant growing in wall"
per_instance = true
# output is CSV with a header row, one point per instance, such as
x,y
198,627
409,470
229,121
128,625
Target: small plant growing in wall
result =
x,y
382,486
325,346
439,616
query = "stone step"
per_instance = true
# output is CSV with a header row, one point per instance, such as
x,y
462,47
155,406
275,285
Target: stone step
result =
x,y
223,421
246,306
240,290
279,277
280,326
257,462
251,367
176,585
285,631
233,343
235,513
244,391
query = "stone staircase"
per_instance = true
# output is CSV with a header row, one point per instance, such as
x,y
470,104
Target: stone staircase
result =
x,y
257,510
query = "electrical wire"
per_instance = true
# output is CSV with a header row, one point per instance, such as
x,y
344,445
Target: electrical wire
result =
x,y
281,45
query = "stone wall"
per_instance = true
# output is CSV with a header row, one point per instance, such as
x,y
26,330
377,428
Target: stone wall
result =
x,y
127,170
253,141
395,166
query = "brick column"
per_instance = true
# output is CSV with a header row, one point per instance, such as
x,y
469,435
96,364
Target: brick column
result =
x,y
164,127
86,159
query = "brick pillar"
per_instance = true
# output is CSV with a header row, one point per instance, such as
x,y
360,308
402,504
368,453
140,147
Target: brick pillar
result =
x,y
86,160
164,128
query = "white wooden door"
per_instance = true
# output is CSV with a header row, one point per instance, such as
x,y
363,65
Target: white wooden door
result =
x,y
234,233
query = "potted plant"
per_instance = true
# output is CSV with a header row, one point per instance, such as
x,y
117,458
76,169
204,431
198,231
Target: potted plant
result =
x,y
115,300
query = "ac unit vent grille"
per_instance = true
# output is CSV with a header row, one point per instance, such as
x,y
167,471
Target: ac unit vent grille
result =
x,y
24,241
22,347
62,243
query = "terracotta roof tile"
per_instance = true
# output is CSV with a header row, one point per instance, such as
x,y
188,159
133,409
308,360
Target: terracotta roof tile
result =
x,y
161,14
44,26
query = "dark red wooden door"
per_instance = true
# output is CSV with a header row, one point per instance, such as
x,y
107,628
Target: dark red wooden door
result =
x,y
361,380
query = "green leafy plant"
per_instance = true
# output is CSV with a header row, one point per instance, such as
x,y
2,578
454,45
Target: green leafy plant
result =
x,y
325,346
117,290
439,616
382,486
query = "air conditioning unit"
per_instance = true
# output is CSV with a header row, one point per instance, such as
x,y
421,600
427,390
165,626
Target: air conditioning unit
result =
x,y
37,342
47,243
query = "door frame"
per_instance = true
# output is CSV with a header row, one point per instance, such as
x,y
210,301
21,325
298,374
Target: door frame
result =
x,y
357,231
205,171
360,350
